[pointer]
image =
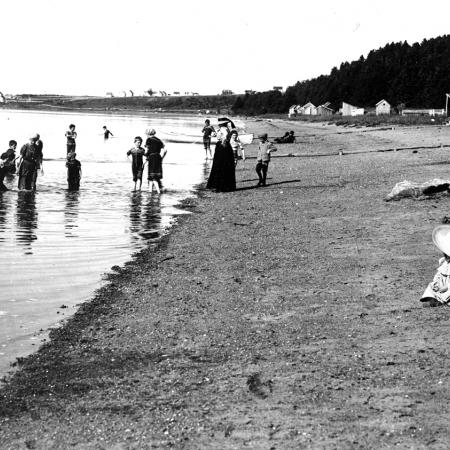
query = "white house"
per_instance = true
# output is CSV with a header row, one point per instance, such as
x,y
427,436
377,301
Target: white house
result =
x,y
350,110
382,107
309,109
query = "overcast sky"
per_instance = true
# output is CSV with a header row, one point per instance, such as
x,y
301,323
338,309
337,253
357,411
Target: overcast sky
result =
x,y
96,46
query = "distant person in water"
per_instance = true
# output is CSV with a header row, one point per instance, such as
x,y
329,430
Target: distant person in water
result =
x,y
73,172
7,163
155,154
106,133
31,156
71,136
208,131
137,162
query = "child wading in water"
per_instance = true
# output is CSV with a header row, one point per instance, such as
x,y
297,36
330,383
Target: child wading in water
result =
x,y
71,136
208,131
437,292
8,163
73,172
137,161
263,158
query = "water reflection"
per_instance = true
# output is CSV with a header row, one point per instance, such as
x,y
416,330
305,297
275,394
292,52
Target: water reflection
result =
x,y
71,210
26,219
152,218
145,216
3,213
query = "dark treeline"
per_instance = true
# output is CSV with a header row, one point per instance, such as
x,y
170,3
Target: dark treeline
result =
x,y
415,75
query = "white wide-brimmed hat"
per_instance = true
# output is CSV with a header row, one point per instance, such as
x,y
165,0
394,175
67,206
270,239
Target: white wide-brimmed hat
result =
x,y
441,238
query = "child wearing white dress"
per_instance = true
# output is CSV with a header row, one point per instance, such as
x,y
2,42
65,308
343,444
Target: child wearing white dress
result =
x,y
236,146
437,292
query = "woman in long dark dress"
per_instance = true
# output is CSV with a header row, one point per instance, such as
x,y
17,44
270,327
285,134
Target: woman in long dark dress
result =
x,y
223,177
155,154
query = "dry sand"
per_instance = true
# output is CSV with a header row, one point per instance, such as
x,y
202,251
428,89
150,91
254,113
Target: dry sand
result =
x,y
282,317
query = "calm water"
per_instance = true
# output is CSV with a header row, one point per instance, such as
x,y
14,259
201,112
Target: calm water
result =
x,y
55,244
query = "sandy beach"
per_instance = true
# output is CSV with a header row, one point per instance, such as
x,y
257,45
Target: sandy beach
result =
x,y
280,317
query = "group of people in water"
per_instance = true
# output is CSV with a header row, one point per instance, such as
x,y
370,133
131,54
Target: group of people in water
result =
x,y
26,166
30,161
228,151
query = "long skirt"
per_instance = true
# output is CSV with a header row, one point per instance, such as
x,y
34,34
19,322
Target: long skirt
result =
x,y
223,176
154,167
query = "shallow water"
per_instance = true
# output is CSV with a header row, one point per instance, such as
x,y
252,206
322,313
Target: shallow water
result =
x,y
56,244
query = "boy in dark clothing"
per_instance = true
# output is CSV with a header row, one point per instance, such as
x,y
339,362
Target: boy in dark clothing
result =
x,y
7,163
208,131
137,162
9,157
106,133
73,172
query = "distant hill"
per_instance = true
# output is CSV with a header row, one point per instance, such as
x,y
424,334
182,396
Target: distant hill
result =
x,y
415,75
213,103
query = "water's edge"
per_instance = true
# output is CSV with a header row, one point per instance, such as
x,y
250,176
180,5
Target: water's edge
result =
x,y
86,310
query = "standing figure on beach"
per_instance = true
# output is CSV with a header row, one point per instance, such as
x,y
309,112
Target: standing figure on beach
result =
x,y
155,158
73,172
265,148
106,133
31,155
222,177
208,131
137,162
7,163
71,136
238,149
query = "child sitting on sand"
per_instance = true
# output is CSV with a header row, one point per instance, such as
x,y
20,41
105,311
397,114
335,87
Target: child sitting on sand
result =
x,y
437,292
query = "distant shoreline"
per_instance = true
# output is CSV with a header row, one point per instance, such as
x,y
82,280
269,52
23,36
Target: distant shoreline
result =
x,y
368,120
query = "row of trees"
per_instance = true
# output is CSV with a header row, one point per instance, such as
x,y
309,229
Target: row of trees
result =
x,y
416,75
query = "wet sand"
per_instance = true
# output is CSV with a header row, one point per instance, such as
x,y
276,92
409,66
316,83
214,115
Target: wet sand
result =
x,y
277,317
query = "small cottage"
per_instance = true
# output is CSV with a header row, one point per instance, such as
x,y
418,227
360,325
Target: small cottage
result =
x,y
382,107
309,109
350,110
325,110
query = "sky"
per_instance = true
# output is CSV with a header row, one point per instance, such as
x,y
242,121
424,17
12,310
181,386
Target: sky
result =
x,y
91,47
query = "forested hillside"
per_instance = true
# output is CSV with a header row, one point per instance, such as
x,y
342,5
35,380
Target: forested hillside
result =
x,y
415,75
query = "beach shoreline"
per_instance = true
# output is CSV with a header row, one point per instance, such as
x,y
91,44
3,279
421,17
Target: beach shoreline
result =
x,y
277,317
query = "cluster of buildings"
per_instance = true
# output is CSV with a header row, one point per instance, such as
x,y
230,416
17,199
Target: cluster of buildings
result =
x,y
311,110
382,107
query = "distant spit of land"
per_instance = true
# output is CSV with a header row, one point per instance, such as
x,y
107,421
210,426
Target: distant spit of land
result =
x,y
214,104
